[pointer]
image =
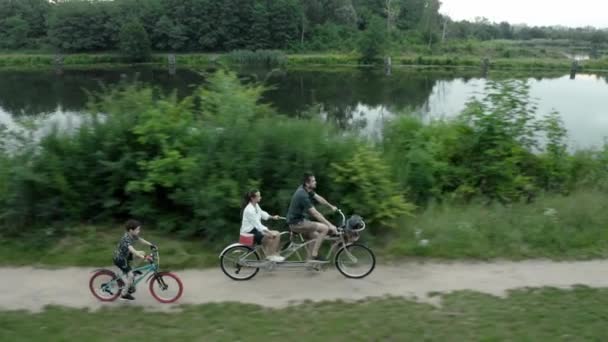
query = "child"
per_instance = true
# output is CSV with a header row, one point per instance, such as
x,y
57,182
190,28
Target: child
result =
x,y
124,254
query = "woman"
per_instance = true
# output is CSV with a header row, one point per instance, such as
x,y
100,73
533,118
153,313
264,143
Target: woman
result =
x,y
252,224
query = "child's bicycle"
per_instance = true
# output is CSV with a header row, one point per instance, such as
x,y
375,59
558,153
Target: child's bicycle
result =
x,y
165,287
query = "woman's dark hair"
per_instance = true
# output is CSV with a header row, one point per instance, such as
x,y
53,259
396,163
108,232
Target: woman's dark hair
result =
x,y
132,224
247,198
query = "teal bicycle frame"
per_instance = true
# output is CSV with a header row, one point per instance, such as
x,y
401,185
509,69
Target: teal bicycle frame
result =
x,y
139,272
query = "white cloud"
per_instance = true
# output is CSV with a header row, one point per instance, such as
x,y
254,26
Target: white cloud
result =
x,y
577,13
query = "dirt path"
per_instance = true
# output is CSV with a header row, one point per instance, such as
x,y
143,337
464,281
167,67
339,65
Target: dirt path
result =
x,y
32,289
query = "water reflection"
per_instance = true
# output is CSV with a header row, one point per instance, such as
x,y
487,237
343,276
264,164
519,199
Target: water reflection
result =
x,y
351,98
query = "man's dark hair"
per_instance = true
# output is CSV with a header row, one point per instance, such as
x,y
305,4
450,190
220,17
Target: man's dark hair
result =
x,y
132,224
306,177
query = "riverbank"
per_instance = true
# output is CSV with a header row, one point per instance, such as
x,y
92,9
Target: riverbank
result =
x,y
34,60
554,227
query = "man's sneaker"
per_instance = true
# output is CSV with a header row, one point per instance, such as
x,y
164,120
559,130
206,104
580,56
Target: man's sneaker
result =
x,y
127,297
131,290
276,258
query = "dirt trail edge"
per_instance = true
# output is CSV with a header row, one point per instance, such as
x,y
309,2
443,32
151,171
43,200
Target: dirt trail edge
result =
x,y
32,289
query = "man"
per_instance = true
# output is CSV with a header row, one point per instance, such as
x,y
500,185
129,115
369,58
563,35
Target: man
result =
x,y
301,209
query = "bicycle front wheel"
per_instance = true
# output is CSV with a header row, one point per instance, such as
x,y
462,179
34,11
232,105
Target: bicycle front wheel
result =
x,y
234,263
355,261
166,287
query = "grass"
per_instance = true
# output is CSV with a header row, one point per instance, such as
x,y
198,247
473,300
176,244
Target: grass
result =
x,y
525,315
93,247
13,60
556,227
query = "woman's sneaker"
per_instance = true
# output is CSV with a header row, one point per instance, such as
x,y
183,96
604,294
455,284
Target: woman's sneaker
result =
x,y
276,258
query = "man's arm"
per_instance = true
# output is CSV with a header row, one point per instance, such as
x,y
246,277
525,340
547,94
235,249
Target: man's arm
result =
x,y
317,215
323,201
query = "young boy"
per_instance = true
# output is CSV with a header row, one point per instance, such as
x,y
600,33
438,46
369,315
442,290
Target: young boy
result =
x,y
124,254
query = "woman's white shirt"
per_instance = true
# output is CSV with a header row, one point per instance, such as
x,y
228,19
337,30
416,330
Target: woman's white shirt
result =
x,y
252,218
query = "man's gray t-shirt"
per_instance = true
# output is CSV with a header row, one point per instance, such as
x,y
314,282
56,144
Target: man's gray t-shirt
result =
x,y
301,202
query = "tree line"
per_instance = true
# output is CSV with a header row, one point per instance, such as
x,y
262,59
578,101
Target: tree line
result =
x,y
224,25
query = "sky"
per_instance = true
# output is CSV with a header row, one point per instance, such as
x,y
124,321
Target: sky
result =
x,y
576,13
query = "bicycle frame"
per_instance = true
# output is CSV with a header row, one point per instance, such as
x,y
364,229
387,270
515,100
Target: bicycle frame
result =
x,y
144,270
295,247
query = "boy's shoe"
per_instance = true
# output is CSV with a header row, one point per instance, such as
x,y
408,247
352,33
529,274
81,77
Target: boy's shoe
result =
x,y
127,297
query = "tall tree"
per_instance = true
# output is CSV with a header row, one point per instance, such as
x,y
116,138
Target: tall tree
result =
x,y
372,43
134,41
80,26
13,32
284,18
260,30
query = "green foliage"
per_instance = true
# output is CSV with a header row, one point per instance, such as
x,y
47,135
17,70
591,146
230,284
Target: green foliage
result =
x,y
13,32
82,26
225,25
372,44
134,42
553,226
260,29
183,164
497,148
366,187
268,58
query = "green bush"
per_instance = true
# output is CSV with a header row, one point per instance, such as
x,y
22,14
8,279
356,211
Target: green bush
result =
x,y
493,149
181,165
366,185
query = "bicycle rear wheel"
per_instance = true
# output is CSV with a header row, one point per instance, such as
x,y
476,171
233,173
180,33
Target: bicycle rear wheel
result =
x,y
355,261
166,287
105,285
233,263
